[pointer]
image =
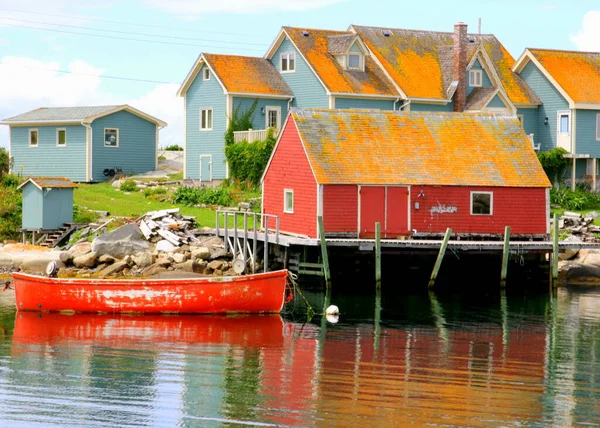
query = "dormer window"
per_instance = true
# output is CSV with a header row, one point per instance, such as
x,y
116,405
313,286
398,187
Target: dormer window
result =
x,y
475,78
205,73
354,61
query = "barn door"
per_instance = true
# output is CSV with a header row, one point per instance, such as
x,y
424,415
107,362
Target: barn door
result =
x,y
372,210
397,212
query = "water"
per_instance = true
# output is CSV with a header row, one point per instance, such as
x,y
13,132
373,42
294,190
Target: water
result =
x,y
435,360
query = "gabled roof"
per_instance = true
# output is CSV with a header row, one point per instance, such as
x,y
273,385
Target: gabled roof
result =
x,y
480,97
387,147
420,62
249,75
315,49
49,183
75,115
575,74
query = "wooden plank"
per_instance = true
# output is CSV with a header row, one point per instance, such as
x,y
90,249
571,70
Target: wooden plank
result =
x,y
146,231
324,252
152,224
171,237
310,272
310,265
163,213
555,252
505,254
378,255
438,262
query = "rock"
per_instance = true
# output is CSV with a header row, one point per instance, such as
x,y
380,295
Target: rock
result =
x,y
121,242
153,270
165,246
592,215
199,266
218,253
215,264
113,269
179,258
116,184
163,262
569,253
208,271
106,259
38,266
202,253
85,261
66,257
143,260
590,259
80,249
218,272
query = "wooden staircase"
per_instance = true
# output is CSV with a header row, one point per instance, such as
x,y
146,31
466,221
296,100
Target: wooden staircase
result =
x,y
56,237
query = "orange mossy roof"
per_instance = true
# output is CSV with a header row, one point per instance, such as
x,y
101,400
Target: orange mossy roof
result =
x,y
50,182
578,73
386,147
316,48
246,74
420,62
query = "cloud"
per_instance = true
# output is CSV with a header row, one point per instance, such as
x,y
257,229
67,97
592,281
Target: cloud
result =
x,y
27,84
588,36
194,8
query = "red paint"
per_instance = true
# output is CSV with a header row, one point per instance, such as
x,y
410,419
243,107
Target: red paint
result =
x,y
523,209
256,293
397,212
372,210
340,208
388,206
290,169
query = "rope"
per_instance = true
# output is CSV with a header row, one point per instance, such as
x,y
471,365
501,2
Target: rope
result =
x,y
310,312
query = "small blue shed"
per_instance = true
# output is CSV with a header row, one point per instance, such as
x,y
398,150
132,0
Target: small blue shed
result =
x,y
47,203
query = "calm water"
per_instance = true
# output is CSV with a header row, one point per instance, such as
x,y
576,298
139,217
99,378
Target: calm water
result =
x,y
435,360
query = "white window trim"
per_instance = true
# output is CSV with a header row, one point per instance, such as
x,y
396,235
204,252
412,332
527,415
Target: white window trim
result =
x,y
109,146
57,132
38,137
205,75
273,108
473,81
285,208
360,61
491,202
211,119
598,127
288,55
559,114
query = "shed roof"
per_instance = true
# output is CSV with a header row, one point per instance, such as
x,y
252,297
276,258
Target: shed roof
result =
x,y
49,183
386,147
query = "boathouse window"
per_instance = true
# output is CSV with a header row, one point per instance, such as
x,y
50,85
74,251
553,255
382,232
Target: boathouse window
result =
x,y
288,62
482,203
111,137
206,120
475,78
61,137
288,201
33,138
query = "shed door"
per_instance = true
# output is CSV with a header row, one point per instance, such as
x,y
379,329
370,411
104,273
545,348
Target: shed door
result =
x,y
205,167
397,212
372,210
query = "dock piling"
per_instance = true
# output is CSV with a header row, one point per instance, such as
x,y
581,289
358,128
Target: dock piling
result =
x,y
324,252
555,251
440,257
505,254
378,255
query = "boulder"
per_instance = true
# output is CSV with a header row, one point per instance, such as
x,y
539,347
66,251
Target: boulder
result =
x,y
582,274
590,259
202,253
215,264
121,242
80,249
179,258
218,253
106,259
113,269
85,261
66,257
143,260
569,253
153,270
116,184
165,246
164,262
592,215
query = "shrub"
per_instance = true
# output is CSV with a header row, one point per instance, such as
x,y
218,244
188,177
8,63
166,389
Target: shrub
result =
x,y
202,195
129,186
174,148
4,161
157,193
83,215
554,164
577,200
11,206
247,161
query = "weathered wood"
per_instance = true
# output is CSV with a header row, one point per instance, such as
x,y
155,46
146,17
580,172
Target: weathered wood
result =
x,y
378,255
505,254
266,246
440,257
324,255
555,251
311,265
146,231
171,237
163,213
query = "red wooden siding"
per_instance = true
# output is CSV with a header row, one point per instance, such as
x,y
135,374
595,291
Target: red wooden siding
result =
x,y
340,208
397,212
372,210
523,209
289,169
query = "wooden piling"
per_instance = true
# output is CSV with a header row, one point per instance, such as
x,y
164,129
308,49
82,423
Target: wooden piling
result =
x,y
505,254
378,255
324,252
438,262
555,251
266,246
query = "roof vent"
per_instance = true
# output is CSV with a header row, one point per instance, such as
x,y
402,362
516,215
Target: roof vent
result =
x,y
386,33
305,33
471,39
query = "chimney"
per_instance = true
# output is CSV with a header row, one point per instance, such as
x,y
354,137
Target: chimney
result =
x,y
459,65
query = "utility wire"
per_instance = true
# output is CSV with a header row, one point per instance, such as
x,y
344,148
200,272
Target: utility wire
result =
x,y
129,23
129,32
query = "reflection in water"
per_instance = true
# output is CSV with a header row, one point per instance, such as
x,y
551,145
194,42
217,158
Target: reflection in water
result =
x,y
425,359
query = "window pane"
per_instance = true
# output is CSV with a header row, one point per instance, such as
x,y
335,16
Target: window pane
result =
x,y
284,63
62,137
353,61
481,203
289,201
33,138
292,62
209,119
272,119
564,123
598,127
110,137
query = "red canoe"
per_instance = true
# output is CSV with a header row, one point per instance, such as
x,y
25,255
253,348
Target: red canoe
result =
x,y
257,293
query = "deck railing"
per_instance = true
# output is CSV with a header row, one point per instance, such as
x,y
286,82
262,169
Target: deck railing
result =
x,y
251,135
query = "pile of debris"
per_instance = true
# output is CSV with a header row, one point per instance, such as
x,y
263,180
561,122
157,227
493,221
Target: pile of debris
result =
x,y
168,225
581,226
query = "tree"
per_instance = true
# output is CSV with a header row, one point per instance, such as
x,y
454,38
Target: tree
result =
x,y
555,164
4,161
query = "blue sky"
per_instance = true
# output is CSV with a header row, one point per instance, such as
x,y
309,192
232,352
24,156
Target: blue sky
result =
x,y
37,37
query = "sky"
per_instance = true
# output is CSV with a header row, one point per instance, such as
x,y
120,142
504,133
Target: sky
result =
x,y
97,52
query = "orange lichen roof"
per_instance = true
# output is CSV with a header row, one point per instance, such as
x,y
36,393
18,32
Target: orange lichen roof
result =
x,y
386,147
315,48
246,74
50,182
420,62
578,73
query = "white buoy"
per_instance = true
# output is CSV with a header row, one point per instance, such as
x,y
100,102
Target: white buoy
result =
x,y
332,310
333,319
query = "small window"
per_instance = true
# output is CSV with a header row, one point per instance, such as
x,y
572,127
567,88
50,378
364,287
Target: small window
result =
x,y
61,137
288,201
475,78
354,61
288,62
205,73
33,138
273,115
206,119
111,137
482,203
598,127
564,123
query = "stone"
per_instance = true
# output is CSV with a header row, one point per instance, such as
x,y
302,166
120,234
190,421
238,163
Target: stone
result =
x,y
66,257
106,259
218,253
125,240
80,249
208,271
85,261
165,262
202,253
165,246
153,270
143,260
592,215
590,259
179,258
116,184
215,264
569,253
218,272
199,266
113,269
38,266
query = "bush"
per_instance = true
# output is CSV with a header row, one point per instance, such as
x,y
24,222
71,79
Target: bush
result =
x,y
578,200
174,148
202,195
4,161
247,161
83,215
129,186
158,194
554,164
11,206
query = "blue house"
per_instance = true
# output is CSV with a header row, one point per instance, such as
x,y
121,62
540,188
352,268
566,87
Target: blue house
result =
x,y
83,144
568,85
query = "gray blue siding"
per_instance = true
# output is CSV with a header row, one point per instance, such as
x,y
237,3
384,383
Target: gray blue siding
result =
x,y
136,152
552,101
47,159
496,103
431,107
530,121
308,90
485,80
46,209
364,103
586,142
259,120
204,94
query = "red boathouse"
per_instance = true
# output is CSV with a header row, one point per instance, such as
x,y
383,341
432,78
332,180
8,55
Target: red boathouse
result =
x,y
411,172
